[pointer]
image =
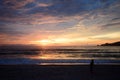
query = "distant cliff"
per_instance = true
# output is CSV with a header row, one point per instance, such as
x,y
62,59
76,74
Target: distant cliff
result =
x,y
111,44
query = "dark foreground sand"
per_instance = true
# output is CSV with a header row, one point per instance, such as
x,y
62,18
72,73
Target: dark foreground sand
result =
x,y
59,72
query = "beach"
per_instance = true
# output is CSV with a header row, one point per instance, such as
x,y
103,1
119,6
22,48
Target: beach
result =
x,y
59,72
61,63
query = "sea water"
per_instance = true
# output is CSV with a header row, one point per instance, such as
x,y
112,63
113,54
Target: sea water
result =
x,y
62,55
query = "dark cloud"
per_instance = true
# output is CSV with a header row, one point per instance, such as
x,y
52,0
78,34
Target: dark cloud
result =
x,y
30,5
11,33
114,19
11,8
71,7
111,24
6,30
59,7
22,8
24,11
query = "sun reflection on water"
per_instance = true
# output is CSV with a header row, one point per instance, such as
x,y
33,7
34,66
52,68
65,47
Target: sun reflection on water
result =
x,y
54,56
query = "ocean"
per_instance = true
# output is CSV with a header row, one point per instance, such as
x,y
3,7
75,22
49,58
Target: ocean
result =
x,y
61,55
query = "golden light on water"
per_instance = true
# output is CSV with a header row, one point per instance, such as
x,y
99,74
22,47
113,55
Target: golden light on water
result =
x,y
48,56
53,56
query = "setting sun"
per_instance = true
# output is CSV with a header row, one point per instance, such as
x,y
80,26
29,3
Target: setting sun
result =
x,y
51,41
44,42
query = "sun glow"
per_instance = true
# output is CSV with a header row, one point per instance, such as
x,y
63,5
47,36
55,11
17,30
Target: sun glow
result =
x,y
44,42
59,41
91,40
52,41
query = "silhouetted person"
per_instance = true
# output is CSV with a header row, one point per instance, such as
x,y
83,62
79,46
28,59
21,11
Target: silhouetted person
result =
x,y
91,65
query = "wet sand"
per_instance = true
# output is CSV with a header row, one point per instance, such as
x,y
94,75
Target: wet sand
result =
x,y
59,72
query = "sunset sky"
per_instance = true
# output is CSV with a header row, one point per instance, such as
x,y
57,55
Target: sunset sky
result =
x,y
59,22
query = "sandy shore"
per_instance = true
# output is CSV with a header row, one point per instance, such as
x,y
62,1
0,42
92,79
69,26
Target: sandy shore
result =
x,y
59,72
